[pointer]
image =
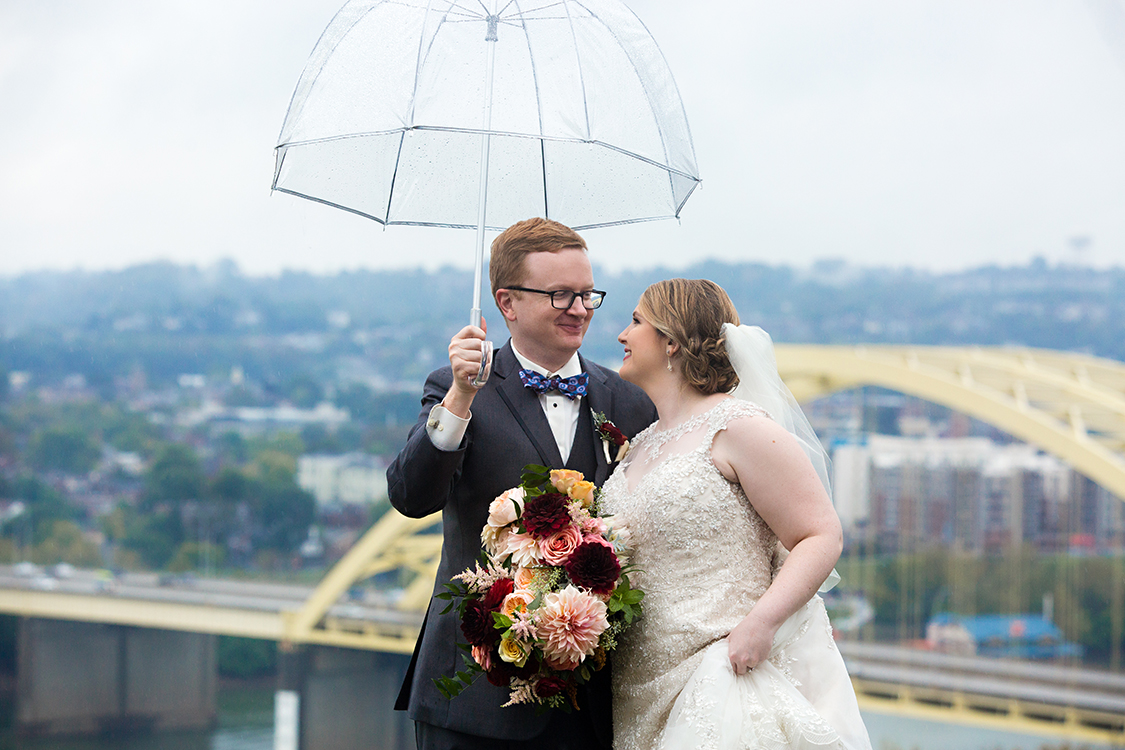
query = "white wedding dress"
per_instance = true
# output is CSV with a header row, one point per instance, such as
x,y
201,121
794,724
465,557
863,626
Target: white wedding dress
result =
x,y
704,556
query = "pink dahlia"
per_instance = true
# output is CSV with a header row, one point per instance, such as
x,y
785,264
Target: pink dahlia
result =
x,y
523,548
570,623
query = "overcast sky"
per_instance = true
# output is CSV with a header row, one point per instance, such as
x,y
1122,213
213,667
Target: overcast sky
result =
x,y
942,135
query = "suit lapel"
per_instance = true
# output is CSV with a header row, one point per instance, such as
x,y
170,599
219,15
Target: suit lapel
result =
x,y
525,407
600,397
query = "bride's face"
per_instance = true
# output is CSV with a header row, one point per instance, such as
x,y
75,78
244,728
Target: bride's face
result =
x,y
646,351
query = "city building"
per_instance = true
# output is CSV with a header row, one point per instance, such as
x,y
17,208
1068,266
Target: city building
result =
x,y
970,494
348,479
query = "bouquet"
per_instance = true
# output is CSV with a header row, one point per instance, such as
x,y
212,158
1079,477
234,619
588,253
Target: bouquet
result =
x,y
549,597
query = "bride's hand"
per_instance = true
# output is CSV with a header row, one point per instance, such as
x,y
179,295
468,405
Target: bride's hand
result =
x,y
749,644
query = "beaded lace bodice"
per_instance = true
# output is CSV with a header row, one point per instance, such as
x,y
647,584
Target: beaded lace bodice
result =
x,y
703,554
704,557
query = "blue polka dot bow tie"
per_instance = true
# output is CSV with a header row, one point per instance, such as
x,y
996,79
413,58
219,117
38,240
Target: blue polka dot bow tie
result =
x,y
572,387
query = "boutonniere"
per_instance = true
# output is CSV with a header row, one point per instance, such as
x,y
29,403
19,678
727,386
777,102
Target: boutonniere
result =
x,y
611,436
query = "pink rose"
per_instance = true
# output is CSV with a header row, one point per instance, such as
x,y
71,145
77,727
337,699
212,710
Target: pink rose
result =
x,y
593,526
599,539
556,549
483,656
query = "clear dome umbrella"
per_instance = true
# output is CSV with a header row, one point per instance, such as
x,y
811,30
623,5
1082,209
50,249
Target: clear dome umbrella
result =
x,y
480,113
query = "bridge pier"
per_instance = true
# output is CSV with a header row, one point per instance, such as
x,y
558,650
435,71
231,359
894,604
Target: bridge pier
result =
x,y
84,678
340,699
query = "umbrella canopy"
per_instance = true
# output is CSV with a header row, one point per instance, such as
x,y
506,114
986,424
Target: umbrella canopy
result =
x,y
581,119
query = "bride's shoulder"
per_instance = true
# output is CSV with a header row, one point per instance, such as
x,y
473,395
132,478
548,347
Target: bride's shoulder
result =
x,y
742,421
731,409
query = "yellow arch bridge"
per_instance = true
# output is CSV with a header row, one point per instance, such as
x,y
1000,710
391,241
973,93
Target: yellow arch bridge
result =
x,y
1069,405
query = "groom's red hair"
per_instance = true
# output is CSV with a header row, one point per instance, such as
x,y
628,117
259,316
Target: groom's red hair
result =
x,y
505,265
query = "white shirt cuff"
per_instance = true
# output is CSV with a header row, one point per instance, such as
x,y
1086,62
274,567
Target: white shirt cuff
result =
x,y
446,428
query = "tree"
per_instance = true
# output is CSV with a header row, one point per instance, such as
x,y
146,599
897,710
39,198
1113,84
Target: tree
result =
x,y
65,449
284,513
174,477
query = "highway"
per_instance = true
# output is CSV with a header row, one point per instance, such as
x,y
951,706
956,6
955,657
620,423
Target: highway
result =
x,y
375,607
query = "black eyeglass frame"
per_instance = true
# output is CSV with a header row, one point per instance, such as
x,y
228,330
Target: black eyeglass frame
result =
x,y
595,303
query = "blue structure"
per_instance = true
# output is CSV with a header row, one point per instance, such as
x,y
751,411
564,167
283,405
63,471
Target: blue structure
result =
x,y
1006,636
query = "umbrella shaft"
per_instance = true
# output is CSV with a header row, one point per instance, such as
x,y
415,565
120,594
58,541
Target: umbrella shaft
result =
x,y
475,316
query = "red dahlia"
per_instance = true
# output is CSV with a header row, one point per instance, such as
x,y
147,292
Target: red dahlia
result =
x,y
495,596
593,565
478,626
546,515
549,686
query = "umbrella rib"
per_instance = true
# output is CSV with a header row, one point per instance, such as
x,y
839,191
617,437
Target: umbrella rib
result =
x,y
321,58
329,203
648,94
538,105
578,61
394,176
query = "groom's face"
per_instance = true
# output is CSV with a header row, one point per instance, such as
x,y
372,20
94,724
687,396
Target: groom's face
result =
x,y
548,336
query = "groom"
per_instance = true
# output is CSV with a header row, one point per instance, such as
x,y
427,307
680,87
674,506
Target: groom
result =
x,y
470,445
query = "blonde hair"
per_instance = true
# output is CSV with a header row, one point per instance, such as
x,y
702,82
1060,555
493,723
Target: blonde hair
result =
x,y
691,312
505,264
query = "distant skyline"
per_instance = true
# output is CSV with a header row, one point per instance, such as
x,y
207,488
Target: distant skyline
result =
x,y
941,134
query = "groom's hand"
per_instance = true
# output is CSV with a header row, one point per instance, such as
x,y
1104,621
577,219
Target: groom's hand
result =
x,y
464,358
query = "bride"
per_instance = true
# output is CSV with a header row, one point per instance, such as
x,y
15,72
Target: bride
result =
x,y
735,649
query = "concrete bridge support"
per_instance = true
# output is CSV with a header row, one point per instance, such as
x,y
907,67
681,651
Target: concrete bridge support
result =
x,y
340,699
83,678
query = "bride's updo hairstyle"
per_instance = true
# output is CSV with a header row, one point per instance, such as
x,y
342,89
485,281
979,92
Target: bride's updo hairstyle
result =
x,y
691,312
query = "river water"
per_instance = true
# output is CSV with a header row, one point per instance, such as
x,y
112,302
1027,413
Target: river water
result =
x,y
246,723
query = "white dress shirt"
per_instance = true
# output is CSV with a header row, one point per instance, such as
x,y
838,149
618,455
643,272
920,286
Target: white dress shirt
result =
x,y
446,428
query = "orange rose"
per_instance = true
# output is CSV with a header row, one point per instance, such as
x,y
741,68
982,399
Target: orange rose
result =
x,y
583,492
563,479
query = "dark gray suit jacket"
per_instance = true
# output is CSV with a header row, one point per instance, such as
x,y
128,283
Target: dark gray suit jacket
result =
x,y
508,430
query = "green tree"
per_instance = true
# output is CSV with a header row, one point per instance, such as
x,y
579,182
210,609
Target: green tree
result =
x,y
65,449
283,512
175,476
65,542
44,506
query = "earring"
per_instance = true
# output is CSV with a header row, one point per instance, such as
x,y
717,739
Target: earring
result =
x,y
669,361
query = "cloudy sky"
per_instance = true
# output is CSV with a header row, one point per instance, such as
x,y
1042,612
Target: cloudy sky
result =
x,y
940,134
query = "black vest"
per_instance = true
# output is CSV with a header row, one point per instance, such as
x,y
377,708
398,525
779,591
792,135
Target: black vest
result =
x,y
582,456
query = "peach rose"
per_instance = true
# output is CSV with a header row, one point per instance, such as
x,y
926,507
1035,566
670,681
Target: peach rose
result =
x,y
524,577
504,509
515,601
564,479
583,492
556,548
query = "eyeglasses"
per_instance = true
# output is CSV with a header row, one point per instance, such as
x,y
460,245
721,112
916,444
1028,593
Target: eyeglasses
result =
x,y
562,299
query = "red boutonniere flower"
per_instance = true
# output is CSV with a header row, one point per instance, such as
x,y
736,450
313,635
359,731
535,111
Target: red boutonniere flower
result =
x,y
611,437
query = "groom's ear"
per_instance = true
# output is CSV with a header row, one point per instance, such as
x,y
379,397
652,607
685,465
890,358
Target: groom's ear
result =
x,y
504,304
